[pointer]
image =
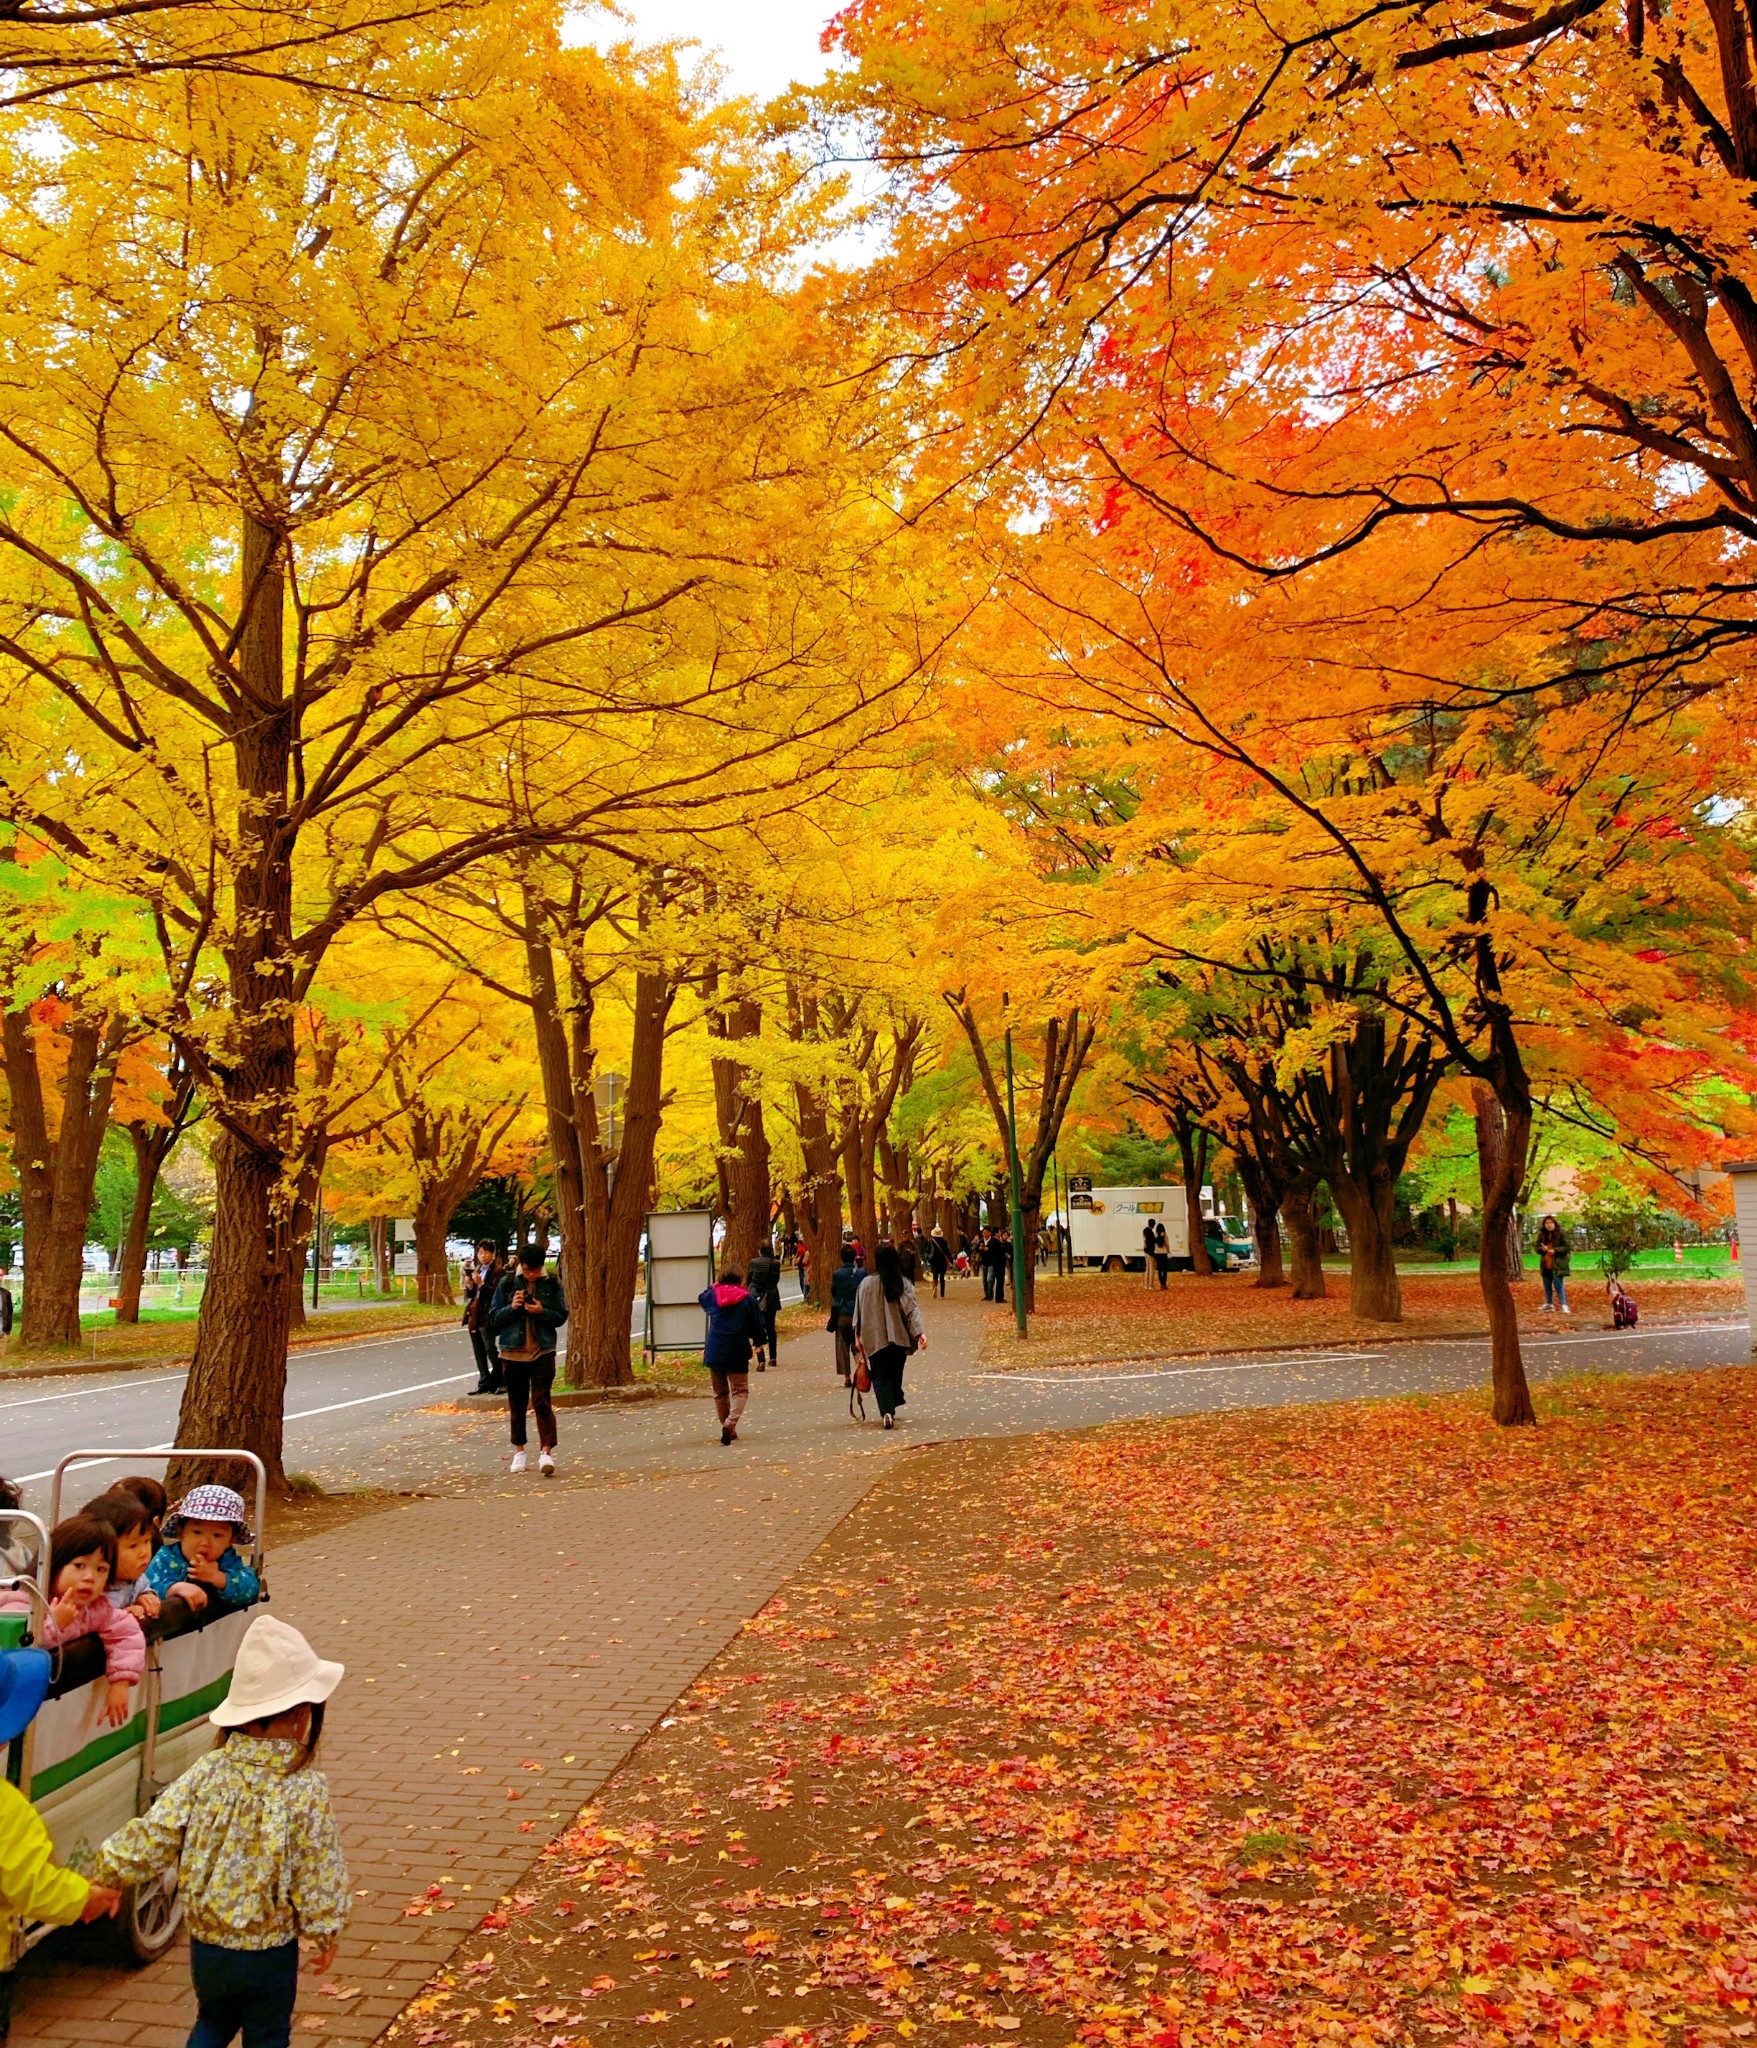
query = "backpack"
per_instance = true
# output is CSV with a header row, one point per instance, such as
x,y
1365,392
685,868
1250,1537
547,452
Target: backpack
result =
x,y
1624,1314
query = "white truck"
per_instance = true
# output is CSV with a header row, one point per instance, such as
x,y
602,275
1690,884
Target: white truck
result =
x,y
1105,1225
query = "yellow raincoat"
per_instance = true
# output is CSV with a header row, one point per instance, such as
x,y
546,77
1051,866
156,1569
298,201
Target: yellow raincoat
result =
x,y
32,1885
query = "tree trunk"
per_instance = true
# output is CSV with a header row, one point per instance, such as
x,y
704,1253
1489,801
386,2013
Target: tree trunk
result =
x,y
378,1241
236,1388
859,1179
1512,1394
56,1175
616,1213
140,1218
1373,1288
301,1265
894,1165
1192,1147
820,1192
820,1205
236,1398
743,1161
1265,1224
1491,1152
432,1267
153,1145
1299,1207
561,1106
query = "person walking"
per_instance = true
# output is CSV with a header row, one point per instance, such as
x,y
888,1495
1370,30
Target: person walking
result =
x,y
1000,1260
887,1328
764,1282
939,1260
844,1290
735,1329
487,1270
1161,1254
1555,1259
528,1310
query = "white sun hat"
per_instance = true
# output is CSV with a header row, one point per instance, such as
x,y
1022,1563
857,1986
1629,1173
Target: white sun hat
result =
x,y
276,1669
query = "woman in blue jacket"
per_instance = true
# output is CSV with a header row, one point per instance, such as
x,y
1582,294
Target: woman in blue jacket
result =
x,y
735,1325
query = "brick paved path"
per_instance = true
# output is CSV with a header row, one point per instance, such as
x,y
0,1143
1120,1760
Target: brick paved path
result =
x,y
540,1623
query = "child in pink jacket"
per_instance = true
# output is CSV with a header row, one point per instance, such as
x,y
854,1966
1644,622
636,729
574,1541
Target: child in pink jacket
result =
x,y
82,1555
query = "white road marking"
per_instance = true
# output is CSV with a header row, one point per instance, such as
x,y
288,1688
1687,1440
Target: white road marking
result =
x,y
364,1400
1061,1375
305,1414
1529,1343
37,1400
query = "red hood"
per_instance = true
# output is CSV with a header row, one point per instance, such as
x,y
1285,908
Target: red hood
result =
x,y
726,1292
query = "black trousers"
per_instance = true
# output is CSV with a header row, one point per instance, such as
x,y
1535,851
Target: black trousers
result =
x,y
887,1365
530,1379
487,1364
243,1991
769,1315
939,1279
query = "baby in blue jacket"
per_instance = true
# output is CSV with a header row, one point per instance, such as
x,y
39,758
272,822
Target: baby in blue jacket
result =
x,y
199,1562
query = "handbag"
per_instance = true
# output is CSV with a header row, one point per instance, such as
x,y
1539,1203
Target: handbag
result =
x,y
862,1378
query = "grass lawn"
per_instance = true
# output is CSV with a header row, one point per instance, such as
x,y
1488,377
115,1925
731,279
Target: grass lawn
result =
x,y
167,1336
1358,1725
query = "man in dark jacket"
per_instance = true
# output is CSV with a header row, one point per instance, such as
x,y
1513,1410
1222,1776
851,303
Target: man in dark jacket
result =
x,y
939,1258
764,1282
490,1270
735,1327
997,1256
528,1310
844,1286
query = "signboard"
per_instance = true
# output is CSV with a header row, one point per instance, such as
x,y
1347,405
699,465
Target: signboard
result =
x,y
680,1263
1080,1201
1079,1183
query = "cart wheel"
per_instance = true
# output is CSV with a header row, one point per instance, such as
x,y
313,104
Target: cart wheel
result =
x,y
150,1919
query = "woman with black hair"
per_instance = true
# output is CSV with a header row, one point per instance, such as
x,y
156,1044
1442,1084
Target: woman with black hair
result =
x,y
887,1327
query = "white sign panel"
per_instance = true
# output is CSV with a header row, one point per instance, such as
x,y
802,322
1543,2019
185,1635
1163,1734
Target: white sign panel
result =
x,y
680,1263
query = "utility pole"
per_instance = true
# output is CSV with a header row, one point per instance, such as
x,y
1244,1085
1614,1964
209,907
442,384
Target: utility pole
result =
x,y
1018,1190
316,1242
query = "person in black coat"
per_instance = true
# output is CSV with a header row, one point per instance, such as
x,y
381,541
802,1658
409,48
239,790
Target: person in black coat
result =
x,y
844,1288
939,1259
486,1275
735,1329
764,1282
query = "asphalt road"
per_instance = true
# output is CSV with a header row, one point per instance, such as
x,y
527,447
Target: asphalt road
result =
x,y
387,1412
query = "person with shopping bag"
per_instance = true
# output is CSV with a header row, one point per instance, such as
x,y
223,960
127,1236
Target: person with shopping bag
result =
x,y
887,1329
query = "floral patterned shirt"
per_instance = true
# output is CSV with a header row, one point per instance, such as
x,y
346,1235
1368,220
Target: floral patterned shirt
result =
x,y
259,1860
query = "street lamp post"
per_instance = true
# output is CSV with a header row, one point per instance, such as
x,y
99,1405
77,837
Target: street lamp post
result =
x,y
1018,1190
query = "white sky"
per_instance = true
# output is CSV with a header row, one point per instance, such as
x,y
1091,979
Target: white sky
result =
x,y
765,45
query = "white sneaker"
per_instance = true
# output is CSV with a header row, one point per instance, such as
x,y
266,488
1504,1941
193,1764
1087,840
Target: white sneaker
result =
x,y
518,1461
1566,1310
546,1463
